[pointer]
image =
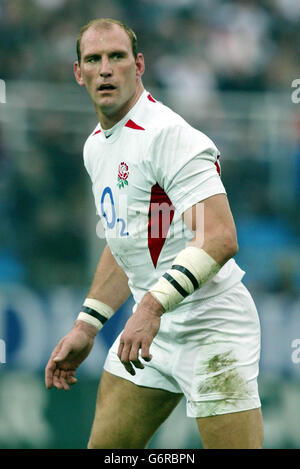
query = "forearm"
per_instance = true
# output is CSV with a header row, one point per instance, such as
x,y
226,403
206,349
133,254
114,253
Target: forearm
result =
x,y
213,245
221,246
109,290
214,228
110,283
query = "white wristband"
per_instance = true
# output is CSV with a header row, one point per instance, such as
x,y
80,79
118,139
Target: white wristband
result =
x,y
95,313
190,270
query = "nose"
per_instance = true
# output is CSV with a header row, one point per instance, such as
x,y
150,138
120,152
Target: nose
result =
x,y
106,69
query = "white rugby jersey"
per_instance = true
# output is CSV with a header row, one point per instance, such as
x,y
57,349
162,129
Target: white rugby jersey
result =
x,y
146,171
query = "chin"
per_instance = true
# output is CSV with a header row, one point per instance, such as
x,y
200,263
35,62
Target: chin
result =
x,y
106,102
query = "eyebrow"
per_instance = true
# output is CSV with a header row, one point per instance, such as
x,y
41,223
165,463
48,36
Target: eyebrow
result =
x,y
91,55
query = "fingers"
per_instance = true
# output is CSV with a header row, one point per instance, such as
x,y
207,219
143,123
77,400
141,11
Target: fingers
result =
x,y
56,379
134,356
56,376
146,355
123,354
50,368
128,367
63,379
129,355
71,378
66,379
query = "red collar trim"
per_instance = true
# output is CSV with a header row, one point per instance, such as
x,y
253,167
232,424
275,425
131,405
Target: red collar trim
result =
x,y
150,98
133,125
130,124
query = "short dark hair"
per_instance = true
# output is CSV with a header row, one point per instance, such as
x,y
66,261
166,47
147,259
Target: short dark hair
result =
x,y
107,23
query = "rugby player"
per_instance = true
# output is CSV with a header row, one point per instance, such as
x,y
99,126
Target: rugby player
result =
x,y
171,242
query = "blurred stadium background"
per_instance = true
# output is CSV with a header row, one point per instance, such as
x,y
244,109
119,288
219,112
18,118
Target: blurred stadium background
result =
x,y
227,67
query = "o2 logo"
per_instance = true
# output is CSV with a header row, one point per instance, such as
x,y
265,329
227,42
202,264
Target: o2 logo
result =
x,y
107,198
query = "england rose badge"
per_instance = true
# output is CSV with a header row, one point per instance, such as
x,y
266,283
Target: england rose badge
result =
x,y
123,174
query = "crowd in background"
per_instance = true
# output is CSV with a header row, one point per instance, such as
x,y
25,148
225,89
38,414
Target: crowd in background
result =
x,y
206,48
223,44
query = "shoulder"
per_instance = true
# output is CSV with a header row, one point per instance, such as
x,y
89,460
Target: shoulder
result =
x,y
88,148
156,116
90,139
166,125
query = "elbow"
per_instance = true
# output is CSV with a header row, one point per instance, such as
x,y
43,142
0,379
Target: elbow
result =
x,y
222,246
234,249
230,248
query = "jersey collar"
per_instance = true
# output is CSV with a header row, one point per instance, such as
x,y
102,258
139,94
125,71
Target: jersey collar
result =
x,y
110,135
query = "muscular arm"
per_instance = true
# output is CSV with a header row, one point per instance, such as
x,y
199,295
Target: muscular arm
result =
x,y
214,232
110,286
110,283
214,228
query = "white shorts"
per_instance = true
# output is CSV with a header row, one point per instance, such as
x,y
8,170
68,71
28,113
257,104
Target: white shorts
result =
x,y
210,353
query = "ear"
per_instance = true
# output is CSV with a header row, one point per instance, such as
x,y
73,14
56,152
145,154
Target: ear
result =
x,y
77,73
140,65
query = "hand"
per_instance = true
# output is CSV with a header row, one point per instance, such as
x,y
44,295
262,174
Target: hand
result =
x,y
68,354
139,332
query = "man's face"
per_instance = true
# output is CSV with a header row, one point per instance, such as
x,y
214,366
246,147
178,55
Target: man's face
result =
x,y
108,68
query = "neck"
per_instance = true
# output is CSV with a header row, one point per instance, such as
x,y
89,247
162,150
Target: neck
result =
x,y
108,120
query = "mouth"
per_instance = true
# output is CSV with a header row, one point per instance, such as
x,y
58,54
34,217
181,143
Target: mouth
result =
x,y
106,87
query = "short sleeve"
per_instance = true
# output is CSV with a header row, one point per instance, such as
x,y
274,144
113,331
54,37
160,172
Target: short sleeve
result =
x,y
185,165
88,166
89,151
86,160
